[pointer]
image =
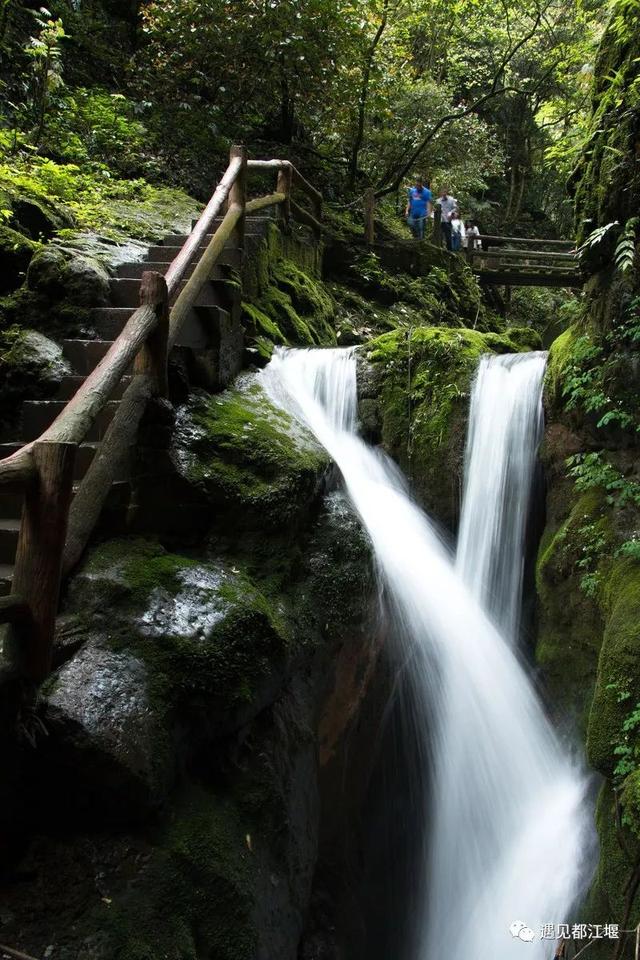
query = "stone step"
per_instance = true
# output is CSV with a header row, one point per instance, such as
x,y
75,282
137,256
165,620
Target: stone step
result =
x,y
135,270
37,415
110,322
70,385
6,576
255,221
179,239
85,355
118,499
125,292
230,256
11,506
9,529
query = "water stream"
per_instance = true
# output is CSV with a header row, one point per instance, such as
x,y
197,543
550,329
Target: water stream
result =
x,y
505,429
507,807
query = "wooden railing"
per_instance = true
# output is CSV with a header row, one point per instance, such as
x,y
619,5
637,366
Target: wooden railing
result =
x,y
55,525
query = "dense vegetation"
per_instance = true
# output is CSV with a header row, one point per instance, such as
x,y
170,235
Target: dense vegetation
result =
x,y
116,118
489,96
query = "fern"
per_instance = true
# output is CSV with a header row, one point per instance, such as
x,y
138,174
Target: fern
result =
x,y
626,247
596,237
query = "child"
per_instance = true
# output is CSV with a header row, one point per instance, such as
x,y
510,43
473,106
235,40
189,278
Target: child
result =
x,y
472,233
458,233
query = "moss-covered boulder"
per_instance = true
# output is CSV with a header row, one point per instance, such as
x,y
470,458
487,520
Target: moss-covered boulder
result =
x,y
415,396
173,648
31,367
57,274
569,619
207,634
248,459
16,252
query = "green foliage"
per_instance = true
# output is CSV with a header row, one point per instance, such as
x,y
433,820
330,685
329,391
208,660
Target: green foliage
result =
x,y
95,200
592,470
626,247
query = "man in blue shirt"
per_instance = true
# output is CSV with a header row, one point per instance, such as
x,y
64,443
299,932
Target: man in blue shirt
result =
x,y
418,208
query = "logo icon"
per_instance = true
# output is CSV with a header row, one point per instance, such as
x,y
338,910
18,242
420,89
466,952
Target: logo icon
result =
x,y
520,931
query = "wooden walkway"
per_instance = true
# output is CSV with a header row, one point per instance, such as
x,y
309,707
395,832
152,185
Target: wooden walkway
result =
x,y
518,262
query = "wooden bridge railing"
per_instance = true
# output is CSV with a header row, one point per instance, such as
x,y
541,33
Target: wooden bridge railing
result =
x,y
55,525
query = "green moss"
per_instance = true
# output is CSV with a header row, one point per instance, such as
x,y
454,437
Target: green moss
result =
x,y
560,357
291,307
526,338
195,895
618,663
606,182
570,624
249,455
260,326
204,632
618,851
143,565
425,378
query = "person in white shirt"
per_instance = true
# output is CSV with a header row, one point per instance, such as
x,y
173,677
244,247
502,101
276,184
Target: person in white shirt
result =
x,y
447,205
458,234
471,241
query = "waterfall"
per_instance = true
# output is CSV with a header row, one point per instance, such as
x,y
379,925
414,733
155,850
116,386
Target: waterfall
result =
x,y
505,429
506,812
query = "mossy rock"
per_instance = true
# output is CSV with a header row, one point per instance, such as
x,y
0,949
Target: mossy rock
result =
x,y
60,274
292,308
526,338
569,619
607,900
254,464
618,682
421,381
195,893
211,641
560,358
31,367
606,182
16,252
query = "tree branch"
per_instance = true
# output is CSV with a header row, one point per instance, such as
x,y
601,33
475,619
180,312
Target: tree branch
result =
x,y
385,188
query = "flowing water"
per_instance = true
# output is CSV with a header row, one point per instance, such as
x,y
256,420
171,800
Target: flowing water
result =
x,y
506,815
505,429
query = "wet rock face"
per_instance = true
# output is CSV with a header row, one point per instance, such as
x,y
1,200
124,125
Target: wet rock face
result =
x,y
31,365
109,738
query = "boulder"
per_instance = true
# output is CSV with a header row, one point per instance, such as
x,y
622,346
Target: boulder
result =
x,y
16,252
58,274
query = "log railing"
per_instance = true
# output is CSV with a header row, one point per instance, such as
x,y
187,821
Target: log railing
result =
x,y
55,525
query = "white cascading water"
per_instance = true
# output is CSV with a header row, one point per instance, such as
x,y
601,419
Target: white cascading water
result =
x,y
505,429
507,809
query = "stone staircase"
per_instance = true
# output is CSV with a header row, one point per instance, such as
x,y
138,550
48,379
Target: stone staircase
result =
x,y
215,317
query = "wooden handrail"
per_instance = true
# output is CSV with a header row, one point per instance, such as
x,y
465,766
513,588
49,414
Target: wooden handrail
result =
x,y
52,536
505,253
298,179
178,266
526,240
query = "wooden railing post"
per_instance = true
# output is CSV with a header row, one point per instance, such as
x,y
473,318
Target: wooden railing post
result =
x,y
437,225
283,185
152,359
40,546
369,211
238,192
